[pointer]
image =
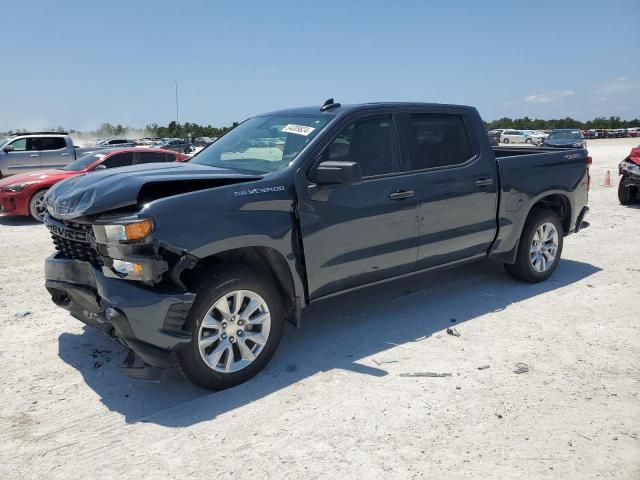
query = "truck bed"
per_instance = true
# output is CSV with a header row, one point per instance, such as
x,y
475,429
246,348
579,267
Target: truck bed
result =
x,y
528,175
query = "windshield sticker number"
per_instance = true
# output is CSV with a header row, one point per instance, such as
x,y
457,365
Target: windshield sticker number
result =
x,y
298,129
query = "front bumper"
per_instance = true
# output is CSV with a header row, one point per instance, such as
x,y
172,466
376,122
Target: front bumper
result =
x,y
147,321
14,203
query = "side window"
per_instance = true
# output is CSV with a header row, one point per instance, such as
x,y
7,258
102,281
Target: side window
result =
x,y
370,142
152,157
119,160
437,140
51,143
19,145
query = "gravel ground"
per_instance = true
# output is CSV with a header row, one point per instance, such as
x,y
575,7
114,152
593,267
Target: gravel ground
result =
x,y
339,399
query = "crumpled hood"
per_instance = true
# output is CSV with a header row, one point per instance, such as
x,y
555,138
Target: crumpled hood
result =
x,y
105,190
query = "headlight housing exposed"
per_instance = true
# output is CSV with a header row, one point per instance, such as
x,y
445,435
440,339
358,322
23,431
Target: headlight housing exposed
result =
x,y
127,232
577,144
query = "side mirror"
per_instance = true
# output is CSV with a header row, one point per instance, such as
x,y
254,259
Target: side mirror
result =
x,y
8,149
337,173
100,167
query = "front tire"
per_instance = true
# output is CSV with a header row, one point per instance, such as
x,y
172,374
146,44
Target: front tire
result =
x,y
37,207
236,323
529,141
506,140
539,249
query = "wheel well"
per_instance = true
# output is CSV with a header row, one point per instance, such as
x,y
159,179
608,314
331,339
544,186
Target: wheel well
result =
x,y
559,204
265,261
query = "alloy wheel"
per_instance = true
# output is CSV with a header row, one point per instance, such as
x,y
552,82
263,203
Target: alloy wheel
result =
x,y
544,247
234,331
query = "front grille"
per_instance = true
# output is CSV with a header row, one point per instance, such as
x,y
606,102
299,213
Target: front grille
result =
x,y
74,241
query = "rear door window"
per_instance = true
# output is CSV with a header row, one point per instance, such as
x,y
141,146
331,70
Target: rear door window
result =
x,y
371,142
119,160
436,140
51,143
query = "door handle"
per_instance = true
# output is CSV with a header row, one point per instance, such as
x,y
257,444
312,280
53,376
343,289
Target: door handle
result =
x,y
483,182
402,194
33,155
65,154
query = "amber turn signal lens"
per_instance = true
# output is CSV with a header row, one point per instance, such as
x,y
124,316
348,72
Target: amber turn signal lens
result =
x,y
138,230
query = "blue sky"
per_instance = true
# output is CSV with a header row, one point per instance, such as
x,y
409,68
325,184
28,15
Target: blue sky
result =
x,y
81,63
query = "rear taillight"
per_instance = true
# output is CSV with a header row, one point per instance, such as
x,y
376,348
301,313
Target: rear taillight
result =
x,y
589,162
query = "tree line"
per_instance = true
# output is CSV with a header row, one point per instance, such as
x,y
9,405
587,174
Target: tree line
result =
x,y
193,130
527,123
172,130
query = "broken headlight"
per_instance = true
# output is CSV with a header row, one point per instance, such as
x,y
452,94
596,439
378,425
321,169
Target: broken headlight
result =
x,y
124,233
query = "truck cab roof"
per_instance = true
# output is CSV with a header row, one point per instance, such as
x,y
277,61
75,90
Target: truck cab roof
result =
x,y
356,107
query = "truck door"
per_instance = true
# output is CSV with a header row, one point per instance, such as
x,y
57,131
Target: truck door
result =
x,y
54,152
20,156
357,234
456,187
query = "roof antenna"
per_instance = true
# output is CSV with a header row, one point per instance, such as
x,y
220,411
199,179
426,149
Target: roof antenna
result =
x,y
328,105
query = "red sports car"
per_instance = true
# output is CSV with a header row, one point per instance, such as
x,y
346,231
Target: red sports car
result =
x,y
23,194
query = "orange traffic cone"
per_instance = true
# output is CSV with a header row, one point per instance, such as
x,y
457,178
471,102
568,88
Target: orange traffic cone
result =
x,y
607,180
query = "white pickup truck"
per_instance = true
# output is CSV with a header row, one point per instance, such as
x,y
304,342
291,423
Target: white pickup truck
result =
x,y
26,152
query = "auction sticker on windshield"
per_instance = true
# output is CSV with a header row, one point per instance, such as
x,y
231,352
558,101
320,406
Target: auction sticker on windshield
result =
x,y
298,129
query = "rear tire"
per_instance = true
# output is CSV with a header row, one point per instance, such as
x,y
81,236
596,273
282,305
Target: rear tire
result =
x,y
232,288
627,194
37,208
538,256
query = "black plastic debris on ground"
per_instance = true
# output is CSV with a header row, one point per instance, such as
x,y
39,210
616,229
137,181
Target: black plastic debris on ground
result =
x,y
453,331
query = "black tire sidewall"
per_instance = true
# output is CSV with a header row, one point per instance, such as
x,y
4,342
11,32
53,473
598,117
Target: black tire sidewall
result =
x,y
224,281
624,192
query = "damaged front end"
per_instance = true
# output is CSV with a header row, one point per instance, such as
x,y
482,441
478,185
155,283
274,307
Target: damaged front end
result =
x,y
112,273
108,286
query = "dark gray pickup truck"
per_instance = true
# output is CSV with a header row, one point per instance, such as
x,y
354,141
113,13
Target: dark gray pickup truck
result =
x,y
204,261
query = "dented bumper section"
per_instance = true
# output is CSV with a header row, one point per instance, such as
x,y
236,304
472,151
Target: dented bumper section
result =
x,y
148,322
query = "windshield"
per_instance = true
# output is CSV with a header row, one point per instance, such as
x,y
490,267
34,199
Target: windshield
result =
x,y
565,134
83,162
262,144
3,141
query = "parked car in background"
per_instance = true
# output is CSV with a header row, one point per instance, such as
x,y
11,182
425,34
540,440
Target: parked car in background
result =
x,y
22,194
541,133
177,145
633,132
116,142
203,141
26,152
494,136
532,137
207,264
629,186
515,136
565,138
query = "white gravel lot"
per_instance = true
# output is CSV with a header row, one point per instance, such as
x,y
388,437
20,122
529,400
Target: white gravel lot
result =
x,y
335,401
